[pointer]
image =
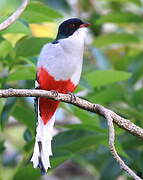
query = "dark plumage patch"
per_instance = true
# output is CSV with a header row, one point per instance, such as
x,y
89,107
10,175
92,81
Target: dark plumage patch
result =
x,y
68,27
40,164
36,107
55,42
36,101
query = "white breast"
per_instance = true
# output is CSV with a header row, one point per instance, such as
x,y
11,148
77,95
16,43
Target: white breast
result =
x,y
64,59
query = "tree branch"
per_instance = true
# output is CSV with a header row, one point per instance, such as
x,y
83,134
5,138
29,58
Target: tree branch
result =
x,y
86,105
109,118
81,103
10,20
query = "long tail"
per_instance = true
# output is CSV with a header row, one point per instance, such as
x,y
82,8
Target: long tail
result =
x,y
42,148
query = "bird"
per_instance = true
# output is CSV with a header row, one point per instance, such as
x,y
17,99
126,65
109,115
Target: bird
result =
x,y
59,69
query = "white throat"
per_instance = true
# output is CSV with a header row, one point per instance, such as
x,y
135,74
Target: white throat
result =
x,y
75,42
80,33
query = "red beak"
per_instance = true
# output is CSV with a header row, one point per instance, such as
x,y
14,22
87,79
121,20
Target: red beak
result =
x,y
84,25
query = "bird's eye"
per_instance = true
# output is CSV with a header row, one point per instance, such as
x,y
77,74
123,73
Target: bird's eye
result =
x,y
72,25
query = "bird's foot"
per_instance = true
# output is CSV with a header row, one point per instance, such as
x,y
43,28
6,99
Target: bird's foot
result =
x,y
54,93
73,97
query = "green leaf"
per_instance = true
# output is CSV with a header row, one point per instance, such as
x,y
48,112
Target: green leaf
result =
x,y
28,148
107,95
17,27
136,67
22,73
76,141
5,48
55,161
115,38
25,115
6,112
7,7
120,17
120,150
28,135
2,146
30,46
37,12
103,77
108,172
138,97
137,2
89,127
62,5
85,116
129,112
2,103
31,173
84,143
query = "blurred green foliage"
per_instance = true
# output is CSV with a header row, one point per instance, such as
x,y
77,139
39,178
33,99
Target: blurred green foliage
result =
x,y
112,76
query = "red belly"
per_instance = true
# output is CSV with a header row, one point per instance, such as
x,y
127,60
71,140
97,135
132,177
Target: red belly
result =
x,y
48,107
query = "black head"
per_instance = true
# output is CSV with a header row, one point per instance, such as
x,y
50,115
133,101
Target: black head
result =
x,y
68,27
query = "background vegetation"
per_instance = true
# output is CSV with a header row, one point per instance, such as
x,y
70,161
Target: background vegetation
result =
x,y
112,76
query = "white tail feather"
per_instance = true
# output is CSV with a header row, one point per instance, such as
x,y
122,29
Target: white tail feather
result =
x,y
44,137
